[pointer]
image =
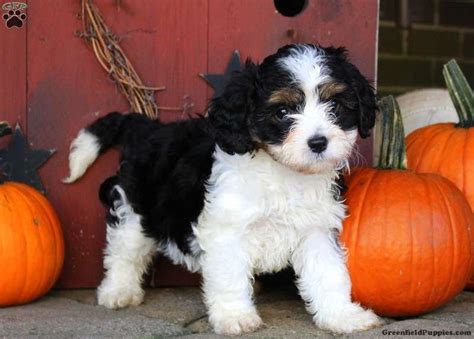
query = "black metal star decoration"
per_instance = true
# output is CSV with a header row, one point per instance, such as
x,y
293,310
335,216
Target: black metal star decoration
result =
x,y
19,163
219,81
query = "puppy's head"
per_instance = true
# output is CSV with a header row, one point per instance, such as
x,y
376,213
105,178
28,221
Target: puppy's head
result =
x,y
303,105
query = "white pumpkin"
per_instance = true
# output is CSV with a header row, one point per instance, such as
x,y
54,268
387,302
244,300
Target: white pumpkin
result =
x,y
426,107
421,108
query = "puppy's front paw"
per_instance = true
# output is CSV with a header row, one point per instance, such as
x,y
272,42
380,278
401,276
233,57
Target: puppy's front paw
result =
x,y
114,297
228,323
350,318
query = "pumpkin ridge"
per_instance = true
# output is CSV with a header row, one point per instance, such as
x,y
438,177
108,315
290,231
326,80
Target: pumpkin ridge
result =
x,y
2,246
433,256
428,158
469,181
454,243
53,219
412,255
41,283
410,140
453,132
423,144
39,236
452,157
463,160
382,241
441,133
26,260
18,277
32,290
361,209
53,230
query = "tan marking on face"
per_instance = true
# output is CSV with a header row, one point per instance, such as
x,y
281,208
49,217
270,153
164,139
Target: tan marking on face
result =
x,y
286,96
329,89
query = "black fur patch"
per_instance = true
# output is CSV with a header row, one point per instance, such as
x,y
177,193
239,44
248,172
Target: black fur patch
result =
x,y
163,172
339,187
355,106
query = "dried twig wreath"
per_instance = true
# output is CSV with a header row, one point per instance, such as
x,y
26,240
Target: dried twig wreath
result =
x,y
112,58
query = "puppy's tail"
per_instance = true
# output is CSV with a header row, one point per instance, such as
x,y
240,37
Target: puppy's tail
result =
x,y
108,131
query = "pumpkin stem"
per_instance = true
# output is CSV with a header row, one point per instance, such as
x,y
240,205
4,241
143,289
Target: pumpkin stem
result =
x,y
460,92
392,147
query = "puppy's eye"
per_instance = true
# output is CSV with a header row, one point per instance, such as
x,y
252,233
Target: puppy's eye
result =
x,y
335,105
282,114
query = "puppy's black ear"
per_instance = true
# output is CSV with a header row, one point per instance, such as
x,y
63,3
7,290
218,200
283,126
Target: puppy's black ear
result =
x,y
229,112
367,103
361,91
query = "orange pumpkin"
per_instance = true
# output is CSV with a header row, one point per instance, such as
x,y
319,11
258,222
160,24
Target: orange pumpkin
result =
x,y
446,148
407,239
31,244
407,234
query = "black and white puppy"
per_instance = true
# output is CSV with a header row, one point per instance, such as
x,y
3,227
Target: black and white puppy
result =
x,y
247,190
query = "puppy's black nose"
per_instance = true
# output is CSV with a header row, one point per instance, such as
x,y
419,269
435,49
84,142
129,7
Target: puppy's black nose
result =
x,y
318,143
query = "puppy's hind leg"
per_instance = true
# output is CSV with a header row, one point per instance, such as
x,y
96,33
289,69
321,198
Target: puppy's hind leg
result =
x,y
126,257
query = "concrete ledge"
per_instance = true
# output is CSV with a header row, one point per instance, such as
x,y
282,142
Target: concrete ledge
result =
x,y
180,312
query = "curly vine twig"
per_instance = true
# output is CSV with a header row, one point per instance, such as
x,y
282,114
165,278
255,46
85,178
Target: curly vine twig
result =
x,y
114,61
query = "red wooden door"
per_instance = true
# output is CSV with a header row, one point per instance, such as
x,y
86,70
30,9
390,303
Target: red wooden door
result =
x,y
51,82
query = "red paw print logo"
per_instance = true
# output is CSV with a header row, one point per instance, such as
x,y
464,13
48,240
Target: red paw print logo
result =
x,y
14,16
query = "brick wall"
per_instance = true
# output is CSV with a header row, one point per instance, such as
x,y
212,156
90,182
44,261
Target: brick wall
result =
x,y
412,57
